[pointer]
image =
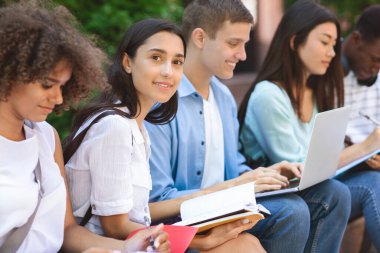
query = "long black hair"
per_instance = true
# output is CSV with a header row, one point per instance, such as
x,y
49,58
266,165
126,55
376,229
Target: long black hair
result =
x,y
123,92
283,65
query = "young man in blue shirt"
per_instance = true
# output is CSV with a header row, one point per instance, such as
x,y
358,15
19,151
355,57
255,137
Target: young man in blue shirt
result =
x,y
198,150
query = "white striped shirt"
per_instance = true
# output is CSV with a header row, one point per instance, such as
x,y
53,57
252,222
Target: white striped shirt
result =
x,y
364,99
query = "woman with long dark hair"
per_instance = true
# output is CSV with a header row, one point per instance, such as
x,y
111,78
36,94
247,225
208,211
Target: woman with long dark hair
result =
x,y
300,77
109,174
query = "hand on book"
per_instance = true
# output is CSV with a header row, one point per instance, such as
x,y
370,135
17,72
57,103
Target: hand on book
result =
x,y
374,162
221,234
140,241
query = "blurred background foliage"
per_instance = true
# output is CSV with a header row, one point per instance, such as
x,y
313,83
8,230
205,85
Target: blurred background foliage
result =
x,y
346,10
108,20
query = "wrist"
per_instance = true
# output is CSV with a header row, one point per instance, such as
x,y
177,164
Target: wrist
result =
x,y
365,147
201,243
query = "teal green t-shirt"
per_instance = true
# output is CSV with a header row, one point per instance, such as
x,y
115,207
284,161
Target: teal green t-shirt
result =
x,y
272,131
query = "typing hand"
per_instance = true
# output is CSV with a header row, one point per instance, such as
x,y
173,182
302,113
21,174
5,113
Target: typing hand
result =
x,y
265,179
290,170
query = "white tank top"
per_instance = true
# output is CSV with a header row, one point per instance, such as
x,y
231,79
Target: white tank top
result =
x,y
19,191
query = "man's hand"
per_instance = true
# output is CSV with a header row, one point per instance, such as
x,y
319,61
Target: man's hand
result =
x,y
274,177
290,170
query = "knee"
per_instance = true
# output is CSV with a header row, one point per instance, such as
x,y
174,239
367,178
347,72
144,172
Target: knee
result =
x,y
369,178
338,194
250,243
292,213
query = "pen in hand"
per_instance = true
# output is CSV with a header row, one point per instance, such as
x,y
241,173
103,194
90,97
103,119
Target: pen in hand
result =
x,y
151,239
377,123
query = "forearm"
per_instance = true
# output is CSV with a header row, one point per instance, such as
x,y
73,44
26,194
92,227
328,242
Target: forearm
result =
x,y
353,152
118,226
78,239
200,243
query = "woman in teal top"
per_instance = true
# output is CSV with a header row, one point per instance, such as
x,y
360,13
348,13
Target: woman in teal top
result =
x,y
287,139
300,76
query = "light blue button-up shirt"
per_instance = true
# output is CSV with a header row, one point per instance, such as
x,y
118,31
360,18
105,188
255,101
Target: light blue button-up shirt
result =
x,y
178,148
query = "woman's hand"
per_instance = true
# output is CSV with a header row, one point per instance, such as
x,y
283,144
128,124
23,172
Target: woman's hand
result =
x,y
265,179
221,234
140,241
374,162
99,250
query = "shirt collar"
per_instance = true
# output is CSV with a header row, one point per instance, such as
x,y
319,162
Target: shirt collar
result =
x,y
136,133
186,88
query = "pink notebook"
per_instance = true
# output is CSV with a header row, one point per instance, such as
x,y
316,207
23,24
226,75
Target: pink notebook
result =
x,y
179,237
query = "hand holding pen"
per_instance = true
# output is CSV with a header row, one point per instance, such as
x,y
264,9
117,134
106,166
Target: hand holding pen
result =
x,y
137,243
377,123
373,139
151,239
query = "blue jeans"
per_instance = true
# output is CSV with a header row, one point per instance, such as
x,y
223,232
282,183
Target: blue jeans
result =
x,y
311,221
364,186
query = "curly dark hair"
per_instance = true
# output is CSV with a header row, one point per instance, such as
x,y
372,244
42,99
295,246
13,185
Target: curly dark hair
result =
x,y
34,38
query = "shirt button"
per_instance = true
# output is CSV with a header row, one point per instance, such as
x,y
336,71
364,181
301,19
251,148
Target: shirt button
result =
x,y
196,95
198,173
200,112
202,143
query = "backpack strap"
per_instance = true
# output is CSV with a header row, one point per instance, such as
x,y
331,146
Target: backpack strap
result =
x,y
18,235
74,144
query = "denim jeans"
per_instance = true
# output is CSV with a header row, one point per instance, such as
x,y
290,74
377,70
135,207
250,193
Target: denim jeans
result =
x,y
364,186
310,221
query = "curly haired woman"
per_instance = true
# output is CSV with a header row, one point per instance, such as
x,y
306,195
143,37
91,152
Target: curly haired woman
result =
x,y
45,65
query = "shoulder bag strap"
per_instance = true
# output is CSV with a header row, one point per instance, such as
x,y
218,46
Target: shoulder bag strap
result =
x,y
72,147
74,144
18,235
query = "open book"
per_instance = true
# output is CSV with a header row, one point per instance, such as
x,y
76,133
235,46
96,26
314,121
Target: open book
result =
x,y
221,207
356,162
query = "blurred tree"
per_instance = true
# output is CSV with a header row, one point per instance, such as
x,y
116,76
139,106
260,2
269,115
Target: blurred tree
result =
x,y
346,10
108,21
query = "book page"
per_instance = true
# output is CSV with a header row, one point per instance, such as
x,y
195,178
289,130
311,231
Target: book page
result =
x,y
217,203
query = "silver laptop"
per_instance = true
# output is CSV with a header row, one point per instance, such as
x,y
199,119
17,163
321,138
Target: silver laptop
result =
x,y
324,150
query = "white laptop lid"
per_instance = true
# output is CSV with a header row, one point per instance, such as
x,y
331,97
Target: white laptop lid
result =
x,y
325,147
326,144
